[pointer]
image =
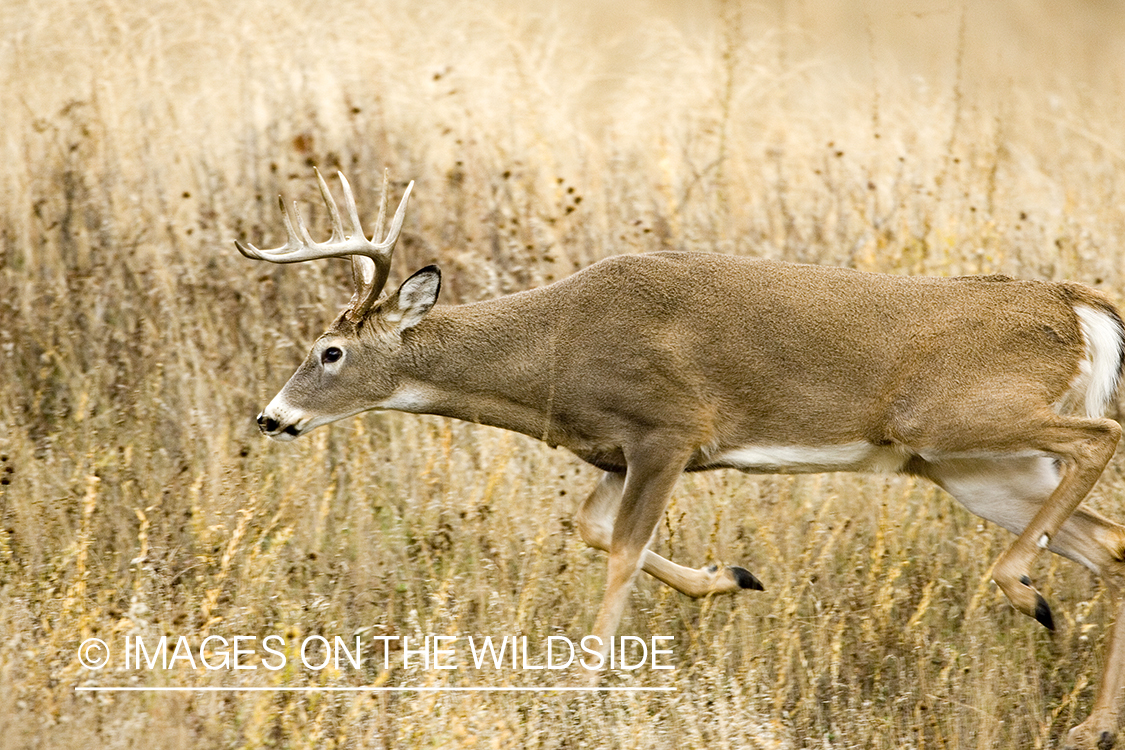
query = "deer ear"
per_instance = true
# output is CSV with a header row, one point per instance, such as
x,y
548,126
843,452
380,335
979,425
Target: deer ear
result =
x,y
415,298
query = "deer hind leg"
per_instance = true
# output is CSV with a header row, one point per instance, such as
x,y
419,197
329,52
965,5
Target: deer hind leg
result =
x,y
1100,728
1033,499
596,522
1009,492
1084,447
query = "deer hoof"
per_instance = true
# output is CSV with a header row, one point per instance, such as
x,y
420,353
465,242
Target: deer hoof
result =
x,y
746,580
1042,609
1043,615
1081,738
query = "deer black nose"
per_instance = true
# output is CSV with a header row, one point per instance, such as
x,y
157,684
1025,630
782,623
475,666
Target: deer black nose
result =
x,y
267,424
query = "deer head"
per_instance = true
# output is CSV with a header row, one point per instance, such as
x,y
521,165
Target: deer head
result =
x,y
353,364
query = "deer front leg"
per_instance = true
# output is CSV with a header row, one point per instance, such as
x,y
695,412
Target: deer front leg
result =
x,y
596,523
1085,445
648,485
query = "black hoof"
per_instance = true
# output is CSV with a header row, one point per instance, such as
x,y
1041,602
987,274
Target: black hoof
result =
x,y
747,580
1042,609
1043,615
1105,741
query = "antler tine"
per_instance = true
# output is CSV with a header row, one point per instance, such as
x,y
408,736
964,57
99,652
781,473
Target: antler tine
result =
x,y
349,204
400,214
381,222
365,271
305,236
363,267
291,241
283,254
333,212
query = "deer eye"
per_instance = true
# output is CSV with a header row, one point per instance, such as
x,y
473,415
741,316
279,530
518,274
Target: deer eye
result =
x,y
332,354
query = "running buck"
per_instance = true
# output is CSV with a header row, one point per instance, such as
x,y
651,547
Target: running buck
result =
x,y
647,366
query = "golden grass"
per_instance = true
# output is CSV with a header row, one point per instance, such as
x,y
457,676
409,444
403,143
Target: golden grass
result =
x,y
136,497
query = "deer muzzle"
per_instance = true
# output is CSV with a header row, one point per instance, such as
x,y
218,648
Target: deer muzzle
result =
x,y
278,429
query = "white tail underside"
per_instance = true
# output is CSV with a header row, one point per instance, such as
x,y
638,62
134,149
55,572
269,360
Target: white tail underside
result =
x,y
1100,370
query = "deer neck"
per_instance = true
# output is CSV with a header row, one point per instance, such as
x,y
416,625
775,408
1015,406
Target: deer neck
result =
x,y
486,362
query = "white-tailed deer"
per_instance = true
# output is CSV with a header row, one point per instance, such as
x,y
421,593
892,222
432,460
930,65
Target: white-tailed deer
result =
x,y
647,366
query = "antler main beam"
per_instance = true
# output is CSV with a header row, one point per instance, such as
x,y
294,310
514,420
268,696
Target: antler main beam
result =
x,y
300,246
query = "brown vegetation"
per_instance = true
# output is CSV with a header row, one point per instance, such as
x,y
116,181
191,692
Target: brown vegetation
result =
x,y
136,497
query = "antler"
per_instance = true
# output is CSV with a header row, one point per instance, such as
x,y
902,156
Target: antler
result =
x,y
371,260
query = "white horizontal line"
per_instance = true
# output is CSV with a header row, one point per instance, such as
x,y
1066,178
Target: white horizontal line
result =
x,y
509,689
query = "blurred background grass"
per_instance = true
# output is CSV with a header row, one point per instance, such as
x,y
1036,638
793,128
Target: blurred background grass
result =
x,y
136,497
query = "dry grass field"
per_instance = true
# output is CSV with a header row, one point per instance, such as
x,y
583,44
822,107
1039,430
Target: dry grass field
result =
x,y
139,139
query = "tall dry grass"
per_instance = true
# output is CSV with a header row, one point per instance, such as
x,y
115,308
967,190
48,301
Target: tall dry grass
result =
x,y
136,497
